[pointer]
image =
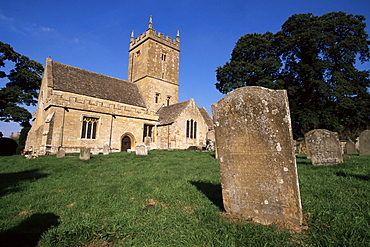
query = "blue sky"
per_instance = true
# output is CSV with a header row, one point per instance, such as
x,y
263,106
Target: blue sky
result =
x,y
94,35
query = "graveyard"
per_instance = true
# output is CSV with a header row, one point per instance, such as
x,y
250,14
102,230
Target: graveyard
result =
x,y
169,198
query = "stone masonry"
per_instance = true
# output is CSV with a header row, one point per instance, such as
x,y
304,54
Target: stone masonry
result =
x,y
256,155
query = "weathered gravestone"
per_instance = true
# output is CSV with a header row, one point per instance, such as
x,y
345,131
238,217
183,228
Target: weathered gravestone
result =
x,y
324,147
95,150
141,150
350,147
106,149
364,143
256,155
84,153
61,153
147,141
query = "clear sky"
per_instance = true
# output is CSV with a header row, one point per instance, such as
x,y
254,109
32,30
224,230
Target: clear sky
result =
x,y
94,35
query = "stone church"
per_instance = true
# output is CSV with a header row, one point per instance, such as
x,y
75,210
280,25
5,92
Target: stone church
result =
x,y
78,108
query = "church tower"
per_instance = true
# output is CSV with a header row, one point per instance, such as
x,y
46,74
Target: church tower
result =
x,y
154,66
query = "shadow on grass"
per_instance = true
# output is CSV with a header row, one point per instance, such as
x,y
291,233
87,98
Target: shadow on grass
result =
x,y
29,231
360,177
302,160
212,191
10,181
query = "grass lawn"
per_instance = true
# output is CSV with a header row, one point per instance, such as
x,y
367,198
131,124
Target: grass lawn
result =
x,y
168,198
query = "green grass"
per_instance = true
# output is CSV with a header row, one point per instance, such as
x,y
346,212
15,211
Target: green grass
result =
x,y
168,198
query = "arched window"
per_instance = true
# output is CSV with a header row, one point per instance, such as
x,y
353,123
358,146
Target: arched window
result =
x,y
191,129
89,125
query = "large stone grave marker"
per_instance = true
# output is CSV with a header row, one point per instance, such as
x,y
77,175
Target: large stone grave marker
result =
x,y
364,143
256,155
324,147
84,153
350,147
141,150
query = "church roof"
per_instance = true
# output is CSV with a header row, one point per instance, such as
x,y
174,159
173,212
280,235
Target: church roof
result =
x,y
207,117
168,114
74,80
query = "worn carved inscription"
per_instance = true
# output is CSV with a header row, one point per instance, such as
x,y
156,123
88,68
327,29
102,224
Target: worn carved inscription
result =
x,y
256,157
323,147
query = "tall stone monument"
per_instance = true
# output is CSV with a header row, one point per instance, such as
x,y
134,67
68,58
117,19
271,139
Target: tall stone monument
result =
x,y
324,147
364,143
256,155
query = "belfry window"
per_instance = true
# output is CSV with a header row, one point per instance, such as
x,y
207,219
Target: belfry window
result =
x,y
191,129
164,57
168,101
156,99
89,126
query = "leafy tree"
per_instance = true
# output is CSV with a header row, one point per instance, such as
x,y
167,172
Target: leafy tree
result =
x,y
22,88
314,59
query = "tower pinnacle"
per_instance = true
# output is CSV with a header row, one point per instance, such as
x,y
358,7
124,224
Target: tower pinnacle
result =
x,y
150,25
178,35
132,36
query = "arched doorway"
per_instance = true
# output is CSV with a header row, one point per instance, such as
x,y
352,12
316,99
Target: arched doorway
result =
x,y
126,144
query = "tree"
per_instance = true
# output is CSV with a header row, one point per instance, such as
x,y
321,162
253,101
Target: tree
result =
x,y
22,88
315,59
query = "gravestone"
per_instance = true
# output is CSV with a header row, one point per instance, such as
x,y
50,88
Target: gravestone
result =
x,y
95,150
147,141
141,150
350,147
61,153
364,143
84,153
256,155
324,147
106,149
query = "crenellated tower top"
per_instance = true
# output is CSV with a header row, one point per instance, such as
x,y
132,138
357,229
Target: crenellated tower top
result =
x,y
150,33
154,66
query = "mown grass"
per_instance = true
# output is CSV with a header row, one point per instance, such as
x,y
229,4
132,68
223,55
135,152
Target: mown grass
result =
x,y
168,198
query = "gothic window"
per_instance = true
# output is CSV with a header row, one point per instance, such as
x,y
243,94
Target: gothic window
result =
x,y
89,125
191,129
164,57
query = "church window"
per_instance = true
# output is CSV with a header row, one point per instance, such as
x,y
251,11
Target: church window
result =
x,y
89,126
164,57
168,100
191,129
156,99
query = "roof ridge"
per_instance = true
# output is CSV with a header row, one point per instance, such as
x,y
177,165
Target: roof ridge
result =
x,y
89,71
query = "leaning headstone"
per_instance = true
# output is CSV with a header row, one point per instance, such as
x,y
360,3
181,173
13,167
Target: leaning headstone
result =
x,y
61,153
84,153
256,155
106,149
95,150
141,150
350,147
324,147
364,143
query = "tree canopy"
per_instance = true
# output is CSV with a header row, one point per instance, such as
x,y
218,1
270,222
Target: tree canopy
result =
x,y
314,58
22,87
